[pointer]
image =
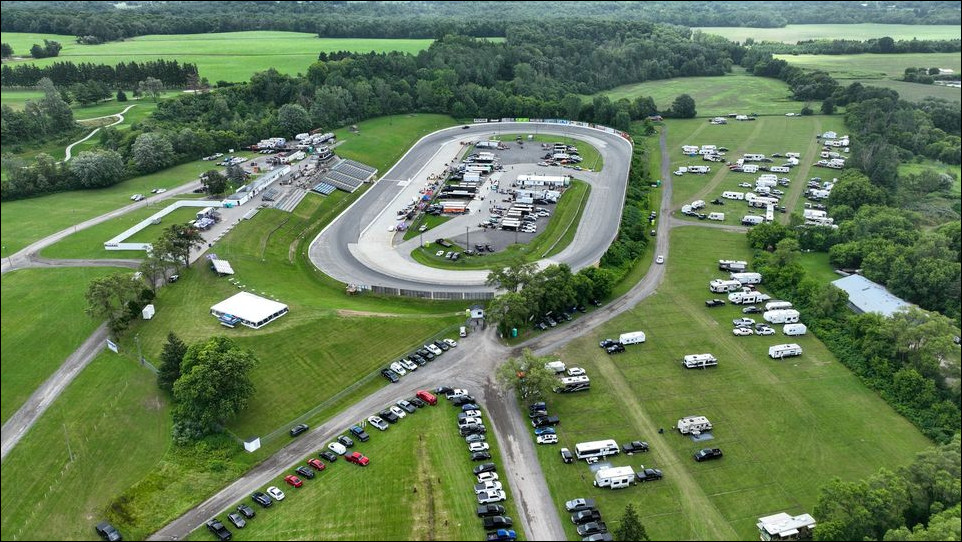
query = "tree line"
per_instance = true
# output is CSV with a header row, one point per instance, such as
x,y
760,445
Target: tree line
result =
x,y
125,75
884,45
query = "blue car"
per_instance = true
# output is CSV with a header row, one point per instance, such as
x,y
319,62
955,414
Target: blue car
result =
x,y
544,431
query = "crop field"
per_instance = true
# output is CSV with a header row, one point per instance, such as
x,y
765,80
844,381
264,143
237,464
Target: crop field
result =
x,y
380,142
43,323
103,434
766,135
418,486
737,92
794,33
773,419
228,56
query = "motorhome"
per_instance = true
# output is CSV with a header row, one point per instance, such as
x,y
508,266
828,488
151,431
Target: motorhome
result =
x,y
720,286
733,195
615,477
693,424
716,216
752,220
749,168
778,305
746,298
699,361
754,157
780,351
633,337
557,366
596,448
574,383
793,330
780,169
699,169
747,278
732,265
698,204
781,316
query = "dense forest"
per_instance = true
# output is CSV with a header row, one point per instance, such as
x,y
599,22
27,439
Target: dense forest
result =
x,y
124,75
883,45
96,21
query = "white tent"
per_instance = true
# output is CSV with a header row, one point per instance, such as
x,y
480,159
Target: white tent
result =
x,y
248,309
222,267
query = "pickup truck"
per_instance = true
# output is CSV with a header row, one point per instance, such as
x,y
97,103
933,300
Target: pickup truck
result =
x,y
216,527
708,453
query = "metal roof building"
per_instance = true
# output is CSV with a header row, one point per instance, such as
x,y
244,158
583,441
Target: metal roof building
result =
x,y
867,296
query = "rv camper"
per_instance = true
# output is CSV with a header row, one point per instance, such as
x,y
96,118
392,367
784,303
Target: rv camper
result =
x,y
793,330
780,351
693,424
699,361
721,286
781,316
615,477
633,337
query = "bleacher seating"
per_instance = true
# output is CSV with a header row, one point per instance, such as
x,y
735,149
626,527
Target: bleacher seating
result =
x,y
347,175
323,188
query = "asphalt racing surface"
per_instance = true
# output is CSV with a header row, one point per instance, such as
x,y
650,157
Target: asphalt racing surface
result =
x,y
347,249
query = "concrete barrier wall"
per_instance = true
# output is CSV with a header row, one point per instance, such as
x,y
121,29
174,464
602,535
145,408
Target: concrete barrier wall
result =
x,y
117,243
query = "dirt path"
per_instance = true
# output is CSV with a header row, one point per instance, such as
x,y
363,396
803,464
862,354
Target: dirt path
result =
x,y
791,200
120,118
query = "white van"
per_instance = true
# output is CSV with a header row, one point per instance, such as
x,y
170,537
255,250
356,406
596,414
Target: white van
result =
x,y
463,332
716,216
793,330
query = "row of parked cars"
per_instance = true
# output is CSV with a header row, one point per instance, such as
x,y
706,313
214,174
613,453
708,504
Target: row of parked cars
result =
x,y
420,358
552,320
544,425
587,517
748,326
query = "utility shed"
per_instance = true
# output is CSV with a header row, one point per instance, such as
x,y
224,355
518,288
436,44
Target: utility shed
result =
x,y
867,296
248,309
782,526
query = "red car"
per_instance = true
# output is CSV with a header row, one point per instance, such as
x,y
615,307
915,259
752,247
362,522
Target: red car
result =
x,y
316,464
357,457
293,480
427,397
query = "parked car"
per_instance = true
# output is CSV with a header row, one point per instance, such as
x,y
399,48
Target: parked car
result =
x,y
544,431
635,446
417,402
497,522
742,331
359,433
173,278
469,406
451,342
585,516
215,526
706,454
328,456
357,458
261,498
246,511
108,532
547,439
616,348
764,331
237,519
469,414
406,406
398,368
480,456
306,472
647,475
491,497
575,371
660,259
714,303
388,416
477,437
478,447
391,376
337,448
293,481
743,322
316,464
543,421
598,537
442,345
298,429
751,309
485,467
487,477
575,505
427,397
486,510
566,456
592,528
409,365
345,441
487,486
275,493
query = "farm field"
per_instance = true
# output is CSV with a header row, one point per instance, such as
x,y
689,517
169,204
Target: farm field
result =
x,y
418,485
380,142
737,92
913,92
794,33
227,56
44,322
773,419
103,434
766,135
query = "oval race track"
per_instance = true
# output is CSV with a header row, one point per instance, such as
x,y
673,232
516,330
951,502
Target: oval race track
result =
x,y
352,249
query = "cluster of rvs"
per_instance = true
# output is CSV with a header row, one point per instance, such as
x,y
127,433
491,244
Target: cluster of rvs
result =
x,y
571,379
740,287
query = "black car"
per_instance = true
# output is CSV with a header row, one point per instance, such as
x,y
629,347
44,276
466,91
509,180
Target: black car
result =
x,y
592,528
751,310
442,390
246,511
298,429
566,316
261,498
607,342
426,354
616,348
388,416
442,345
462,400
359,433
537,413
497,522
108,532
714,303
420,360
487,510
469,406
584,516
485,467
540,405
328,456
635,446
545,421
237,519
541,325
595,302
392,377
567,456
480,456
216,527
647,475
472,429
306,472
708,453
417,402
346,441
598,537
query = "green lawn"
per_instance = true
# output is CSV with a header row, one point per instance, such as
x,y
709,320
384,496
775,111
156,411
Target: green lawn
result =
x,y
786,427
229,56
17,98
550,240
424,219
913,92
418,486
106,432
44,323
794,33
817,266
737,92
381,142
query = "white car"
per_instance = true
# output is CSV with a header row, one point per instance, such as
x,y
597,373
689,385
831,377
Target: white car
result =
x,y
487,477
547,439
398,368
275,493
137,197
489,497
435,350
478,447
745,185
439,253
472,413
742,331
378,422
451,342
457,392
765,331
660,259
408,364
398,411
487,487
161,190
575,371
468,421
337,448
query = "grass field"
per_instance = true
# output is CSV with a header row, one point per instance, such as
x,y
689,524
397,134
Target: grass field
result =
x,y
229,56
381,142
549,240
44,323
418,486
913,92
786,427
799,32
737,92
103,434
817,266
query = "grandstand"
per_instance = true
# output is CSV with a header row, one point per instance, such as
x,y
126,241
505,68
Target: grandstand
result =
x,y
346,175
323,189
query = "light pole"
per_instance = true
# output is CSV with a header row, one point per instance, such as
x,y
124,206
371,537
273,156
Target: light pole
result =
x,y
467,231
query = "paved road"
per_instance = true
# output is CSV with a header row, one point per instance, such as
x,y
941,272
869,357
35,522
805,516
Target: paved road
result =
x,y
120,118
335,250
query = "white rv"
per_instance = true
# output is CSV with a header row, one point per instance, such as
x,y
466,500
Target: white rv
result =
x,y
732,265
750,168
716,216
699,361
720,286
793,155
615,477
574,383
746,298
752,220
781,316
754,157
780,169
556,366
698,204
770,183
691,424
793,330
596,448
747,278
633,337
777,305
699,169
733,195
780,351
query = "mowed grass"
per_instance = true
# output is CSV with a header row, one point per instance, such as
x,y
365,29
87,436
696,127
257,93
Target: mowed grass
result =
x,y
737,92
380,142
913,92
817,266
44,323
551,239
794,33
228,56
104,433
418,486
786,427
872,66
